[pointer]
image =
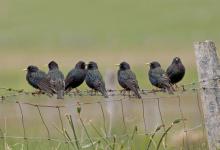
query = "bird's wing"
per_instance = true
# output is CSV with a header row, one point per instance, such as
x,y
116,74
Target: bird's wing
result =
x,y
130,81
98,80
165,82
159,76
55,74
56,79
43,82
44,85
70,77
171,70
164,78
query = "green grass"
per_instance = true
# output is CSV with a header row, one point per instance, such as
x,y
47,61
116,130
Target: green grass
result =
x,y
105,24
34,32
116,141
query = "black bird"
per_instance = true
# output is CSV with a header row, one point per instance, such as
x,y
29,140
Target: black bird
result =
x,y
56,79
159,78
176,71
76,76
127,79
94,79
38,79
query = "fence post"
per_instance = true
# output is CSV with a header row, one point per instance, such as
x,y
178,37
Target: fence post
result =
x,y
208,72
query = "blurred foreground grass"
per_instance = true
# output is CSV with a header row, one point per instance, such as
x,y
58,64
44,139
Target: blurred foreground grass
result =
x,y
115,126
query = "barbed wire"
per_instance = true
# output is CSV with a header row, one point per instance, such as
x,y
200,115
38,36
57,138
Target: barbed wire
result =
x,y
117,96
112,92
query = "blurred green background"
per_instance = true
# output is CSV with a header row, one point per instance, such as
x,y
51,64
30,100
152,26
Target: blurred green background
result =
x,y
106,31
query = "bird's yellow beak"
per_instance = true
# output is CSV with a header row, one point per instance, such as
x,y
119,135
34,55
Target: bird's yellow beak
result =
x,y
117,64
147,63
24,69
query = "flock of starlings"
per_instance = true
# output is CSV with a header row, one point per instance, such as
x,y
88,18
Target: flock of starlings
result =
x,y
54,81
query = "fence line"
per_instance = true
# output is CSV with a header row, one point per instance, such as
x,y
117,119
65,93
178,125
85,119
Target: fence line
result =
x,y
101,101
156,96
112,92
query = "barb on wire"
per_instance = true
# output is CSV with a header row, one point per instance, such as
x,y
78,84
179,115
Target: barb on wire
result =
x,y
11,92
78,103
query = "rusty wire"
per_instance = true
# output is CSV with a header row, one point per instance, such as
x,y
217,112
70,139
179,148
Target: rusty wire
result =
x,y
158,96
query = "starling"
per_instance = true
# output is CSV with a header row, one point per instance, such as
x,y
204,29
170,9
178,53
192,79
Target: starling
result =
x,y
159,78
56,79
76,76
127,79
38,79
94,79
176,71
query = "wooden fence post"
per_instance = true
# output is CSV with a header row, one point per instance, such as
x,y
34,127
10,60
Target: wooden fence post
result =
x,y
209,72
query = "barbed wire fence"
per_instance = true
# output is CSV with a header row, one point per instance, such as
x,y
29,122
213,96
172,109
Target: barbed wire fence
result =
x,y
116,96
85,121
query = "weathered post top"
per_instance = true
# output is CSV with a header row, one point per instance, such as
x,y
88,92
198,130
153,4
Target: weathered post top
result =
x,y
208,72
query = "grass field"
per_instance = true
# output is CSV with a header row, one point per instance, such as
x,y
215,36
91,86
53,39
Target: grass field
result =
x,y
105,31
35,32
105,24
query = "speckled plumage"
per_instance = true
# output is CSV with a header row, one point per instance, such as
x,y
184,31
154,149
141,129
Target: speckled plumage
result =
x,y
127,79
176,71
76,76
159,78
94,79
56,79
38,79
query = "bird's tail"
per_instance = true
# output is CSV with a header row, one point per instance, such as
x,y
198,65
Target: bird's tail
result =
x,y
60,89
136,92
60,94
170,89
138,95
104,92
